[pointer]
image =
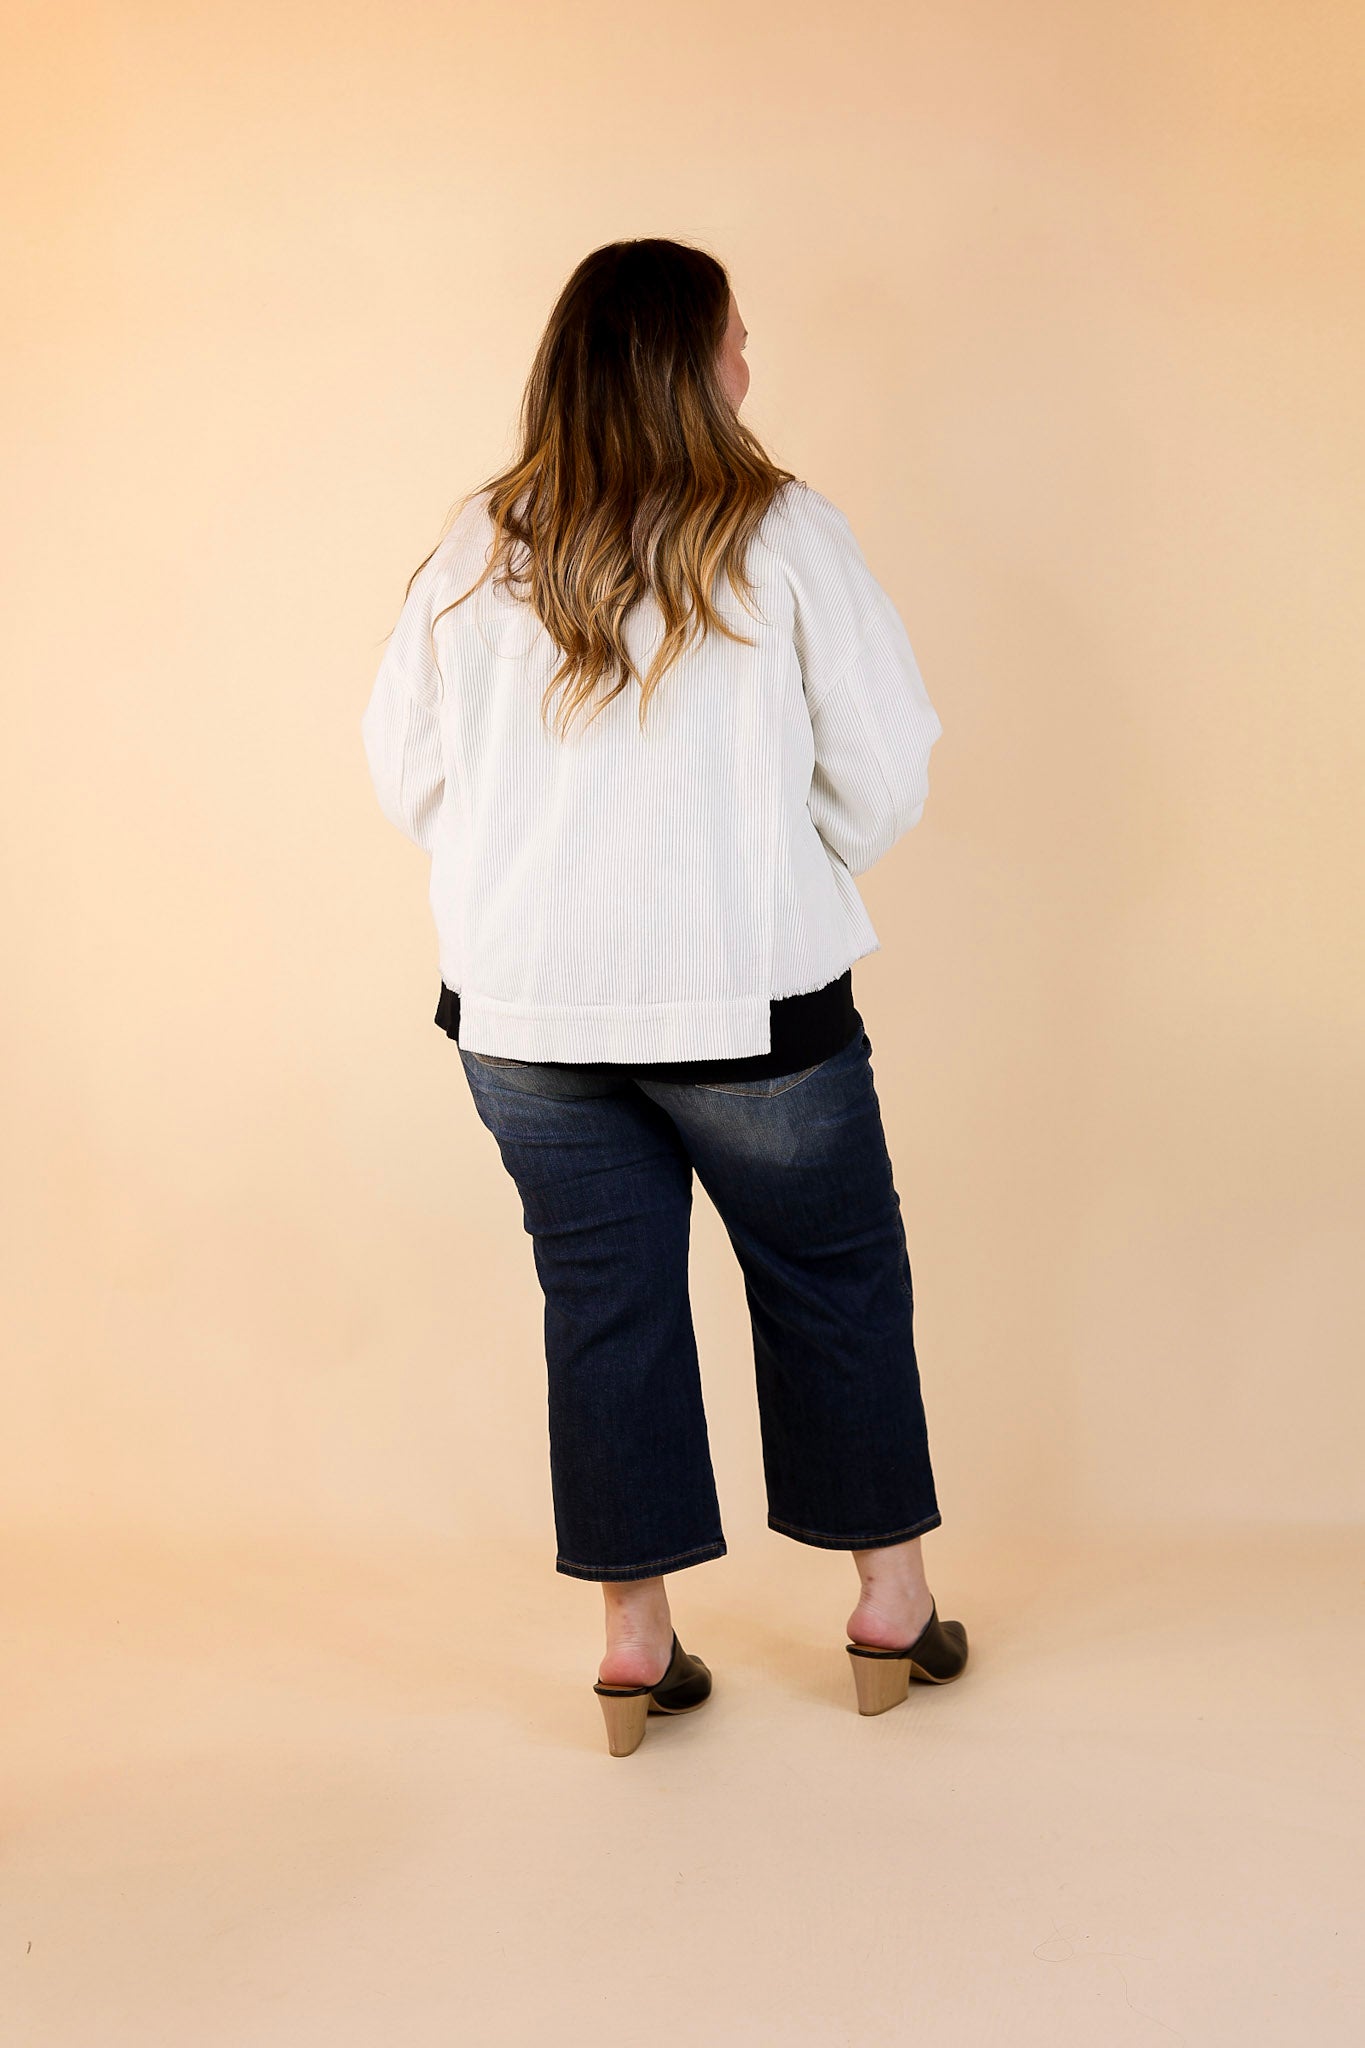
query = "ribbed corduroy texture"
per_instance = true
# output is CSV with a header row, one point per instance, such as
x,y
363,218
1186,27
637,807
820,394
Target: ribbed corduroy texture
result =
x,y
629,895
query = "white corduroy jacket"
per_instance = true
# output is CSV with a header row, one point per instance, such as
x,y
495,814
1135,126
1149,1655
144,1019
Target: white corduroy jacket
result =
x,y
644,895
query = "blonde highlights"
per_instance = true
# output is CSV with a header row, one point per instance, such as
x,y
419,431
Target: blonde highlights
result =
x,y
634,476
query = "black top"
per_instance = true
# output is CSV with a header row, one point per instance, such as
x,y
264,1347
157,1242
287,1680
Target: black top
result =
x,y
806,1029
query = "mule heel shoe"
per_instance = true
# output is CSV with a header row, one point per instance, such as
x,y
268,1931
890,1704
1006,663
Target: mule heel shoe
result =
x,y
684,1685
882,1678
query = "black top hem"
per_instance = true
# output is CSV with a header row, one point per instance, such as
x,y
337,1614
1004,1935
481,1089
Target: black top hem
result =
x,y
806,1029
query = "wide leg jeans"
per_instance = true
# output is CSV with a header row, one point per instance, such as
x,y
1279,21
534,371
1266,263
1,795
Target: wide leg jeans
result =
x,y
798,1170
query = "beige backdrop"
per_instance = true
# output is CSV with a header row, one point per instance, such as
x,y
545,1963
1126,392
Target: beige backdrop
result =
x,y
1060,303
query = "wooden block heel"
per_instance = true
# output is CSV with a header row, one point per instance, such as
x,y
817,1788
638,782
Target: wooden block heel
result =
x,y
881,1678
624,1713
880,1682
685,1684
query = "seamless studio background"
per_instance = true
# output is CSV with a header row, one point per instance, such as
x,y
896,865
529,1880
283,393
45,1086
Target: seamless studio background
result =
x,y
1061,305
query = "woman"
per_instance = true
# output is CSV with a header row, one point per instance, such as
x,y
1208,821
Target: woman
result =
x,y
647,921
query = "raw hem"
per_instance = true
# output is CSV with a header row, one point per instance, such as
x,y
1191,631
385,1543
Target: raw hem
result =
x,y
881,1542
862,949
701,1555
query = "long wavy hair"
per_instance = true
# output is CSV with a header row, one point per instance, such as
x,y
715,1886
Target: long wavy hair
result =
x,y
634,475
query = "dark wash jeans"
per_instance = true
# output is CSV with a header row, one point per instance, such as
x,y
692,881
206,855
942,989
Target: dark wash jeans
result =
x,y
797,1168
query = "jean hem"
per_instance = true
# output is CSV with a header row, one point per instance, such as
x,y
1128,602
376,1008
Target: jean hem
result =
x,y
656,1566
867,1542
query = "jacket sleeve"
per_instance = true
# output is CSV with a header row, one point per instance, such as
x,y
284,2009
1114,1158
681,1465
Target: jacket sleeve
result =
x,y
873,723
401,725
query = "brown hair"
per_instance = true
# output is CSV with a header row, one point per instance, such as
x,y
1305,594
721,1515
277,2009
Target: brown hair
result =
x,y
634,474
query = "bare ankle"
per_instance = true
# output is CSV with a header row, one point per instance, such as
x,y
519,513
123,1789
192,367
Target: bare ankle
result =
x,y
639,1630
894,1600
891,1571
636,1611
